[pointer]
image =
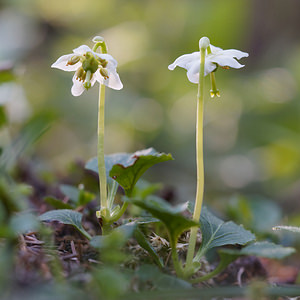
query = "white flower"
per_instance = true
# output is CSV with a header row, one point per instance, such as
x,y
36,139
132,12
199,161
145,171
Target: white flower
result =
x,y
218,57
89,67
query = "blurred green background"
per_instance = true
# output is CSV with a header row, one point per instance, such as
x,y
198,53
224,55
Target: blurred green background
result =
x,y
252,133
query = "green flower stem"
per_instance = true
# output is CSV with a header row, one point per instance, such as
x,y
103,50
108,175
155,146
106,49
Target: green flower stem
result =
x,y
100,152
102,45
105,206
200,165
175,258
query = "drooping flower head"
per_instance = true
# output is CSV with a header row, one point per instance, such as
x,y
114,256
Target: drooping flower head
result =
x,y
89,67
215,57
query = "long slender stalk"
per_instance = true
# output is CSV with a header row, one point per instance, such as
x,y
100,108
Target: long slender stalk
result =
x,y
100,150
199,158
104,203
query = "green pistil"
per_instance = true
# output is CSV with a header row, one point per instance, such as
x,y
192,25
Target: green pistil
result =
x,y
88,78
90,63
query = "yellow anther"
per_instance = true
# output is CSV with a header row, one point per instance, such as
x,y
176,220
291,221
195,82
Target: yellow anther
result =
x,y
103,62
80,74
214,93
73,60
104,73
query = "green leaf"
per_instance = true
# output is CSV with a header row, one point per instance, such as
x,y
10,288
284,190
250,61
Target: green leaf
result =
x,y
169,215
13,197
110,245
128,171
76,195
255,212
28,135
160,280
70,191
127,168
287,228
111,282
143,220
24,222
268,250
3,119
262,249
216,233
225,259
144,188
85,197
6,72
57,203
116,238
143,242
66,216
110,160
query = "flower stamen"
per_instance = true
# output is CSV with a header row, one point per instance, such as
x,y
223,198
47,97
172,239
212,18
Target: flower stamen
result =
x,y
103,62
80,74
73,60
214,91
104,73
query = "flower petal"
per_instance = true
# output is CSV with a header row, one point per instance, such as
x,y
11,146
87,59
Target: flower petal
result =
x,y
77,88
112,63
235,53
215,50
225,61
62,63
183,60
209,67
193,72
82,50
93,79
113,82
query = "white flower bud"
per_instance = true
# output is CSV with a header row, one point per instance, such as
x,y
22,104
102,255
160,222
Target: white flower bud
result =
x,y
98,39
204,42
